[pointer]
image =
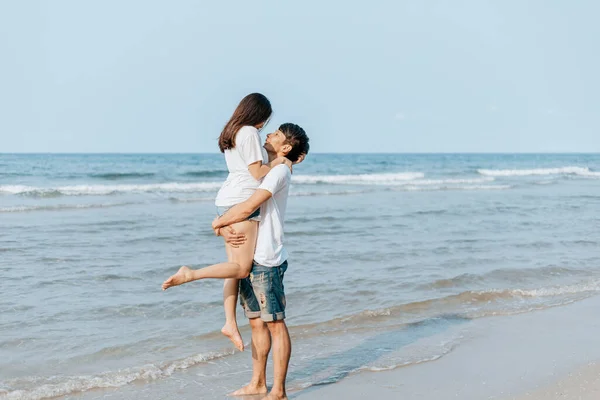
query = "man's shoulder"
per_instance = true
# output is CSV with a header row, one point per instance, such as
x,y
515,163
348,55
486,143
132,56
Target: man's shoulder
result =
x,y
278,178
281,171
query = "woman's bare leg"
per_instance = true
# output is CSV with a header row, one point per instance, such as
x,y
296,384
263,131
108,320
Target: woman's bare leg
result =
x,y
230,329
243,256
217,271
238,267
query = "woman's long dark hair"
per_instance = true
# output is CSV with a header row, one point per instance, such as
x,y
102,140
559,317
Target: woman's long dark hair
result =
x,y
252,110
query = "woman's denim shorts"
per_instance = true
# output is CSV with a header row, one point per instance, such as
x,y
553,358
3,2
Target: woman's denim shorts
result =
x,y
255,216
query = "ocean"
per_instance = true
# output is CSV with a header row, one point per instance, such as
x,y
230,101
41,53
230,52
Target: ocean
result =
x,y
393,260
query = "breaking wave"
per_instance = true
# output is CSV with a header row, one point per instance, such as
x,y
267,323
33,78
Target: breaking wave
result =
x,y
59,207
580,171
122,175
359,179
99,190
112,379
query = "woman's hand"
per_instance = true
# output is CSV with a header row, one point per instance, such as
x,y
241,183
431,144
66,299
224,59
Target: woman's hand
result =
x,y
287,162
281,160
231,236
300,158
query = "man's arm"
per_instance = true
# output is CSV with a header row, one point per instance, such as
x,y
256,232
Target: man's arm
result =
x,y
241,211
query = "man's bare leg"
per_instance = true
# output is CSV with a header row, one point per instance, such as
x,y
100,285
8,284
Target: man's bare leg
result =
x,y
282,350
261,345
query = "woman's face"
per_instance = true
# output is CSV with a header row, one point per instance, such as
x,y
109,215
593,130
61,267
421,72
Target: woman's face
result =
x,y
262,124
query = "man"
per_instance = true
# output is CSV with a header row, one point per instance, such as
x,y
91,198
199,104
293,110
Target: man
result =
x,y
262,293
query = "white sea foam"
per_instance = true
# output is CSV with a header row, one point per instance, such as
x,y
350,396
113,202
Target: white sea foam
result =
x,y
359,179
400,179
15,189
176,187
191,199
580,171
328,193
75,384
433,182
59,207
543,292
455,187
395,179
212,187
416,184
95,190
410,180
559,290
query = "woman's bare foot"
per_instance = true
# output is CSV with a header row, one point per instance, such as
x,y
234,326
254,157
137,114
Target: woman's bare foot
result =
x,y
182,276
251,389
233,333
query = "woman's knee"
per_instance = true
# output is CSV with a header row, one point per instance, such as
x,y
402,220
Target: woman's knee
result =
x,y
245,269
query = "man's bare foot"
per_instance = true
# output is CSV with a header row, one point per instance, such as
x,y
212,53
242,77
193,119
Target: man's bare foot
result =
x,y
250,389
182,276
274,396
233,333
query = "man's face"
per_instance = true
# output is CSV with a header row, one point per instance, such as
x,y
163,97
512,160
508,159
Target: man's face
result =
x,y
275,143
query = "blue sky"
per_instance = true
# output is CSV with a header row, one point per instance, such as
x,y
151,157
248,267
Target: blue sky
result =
x,y
379,76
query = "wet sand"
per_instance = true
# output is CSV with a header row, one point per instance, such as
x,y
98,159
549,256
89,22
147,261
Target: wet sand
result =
x,y
541,355
544,355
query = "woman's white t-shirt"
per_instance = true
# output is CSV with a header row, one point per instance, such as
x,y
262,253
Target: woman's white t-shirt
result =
x,y
240,184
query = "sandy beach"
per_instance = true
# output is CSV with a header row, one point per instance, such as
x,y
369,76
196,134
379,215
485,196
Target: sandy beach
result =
x,y
545,355
582,384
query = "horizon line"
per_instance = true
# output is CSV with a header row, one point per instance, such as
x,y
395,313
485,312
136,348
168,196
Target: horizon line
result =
x,y
312,153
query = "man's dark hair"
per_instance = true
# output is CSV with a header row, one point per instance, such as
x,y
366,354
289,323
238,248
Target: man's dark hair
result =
x,y
296,137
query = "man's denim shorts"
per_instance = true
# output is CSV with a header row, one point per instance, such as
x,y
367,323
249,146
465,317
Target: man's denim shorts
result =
x,y
255,216
262,293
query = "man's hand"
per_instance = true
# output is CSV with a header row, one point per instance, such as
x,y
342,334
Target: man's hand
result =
x,y
214,226
231,236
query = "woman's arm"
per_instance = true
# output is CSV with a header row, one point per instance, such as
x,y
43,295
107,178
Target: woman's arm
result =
x,y
259,171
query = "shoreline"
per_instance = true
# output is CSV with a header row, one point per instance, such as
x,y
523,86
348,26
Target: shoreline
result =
x,y
541,355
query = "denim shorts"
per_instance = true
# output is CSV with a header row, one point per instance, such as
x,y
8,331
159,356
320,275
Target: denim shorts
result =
x,y
262,294
255,216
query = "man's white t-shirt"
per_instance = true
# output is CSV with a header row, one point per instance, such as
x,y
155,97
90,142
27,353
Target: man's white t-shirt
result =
x,y
240,184
269,245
